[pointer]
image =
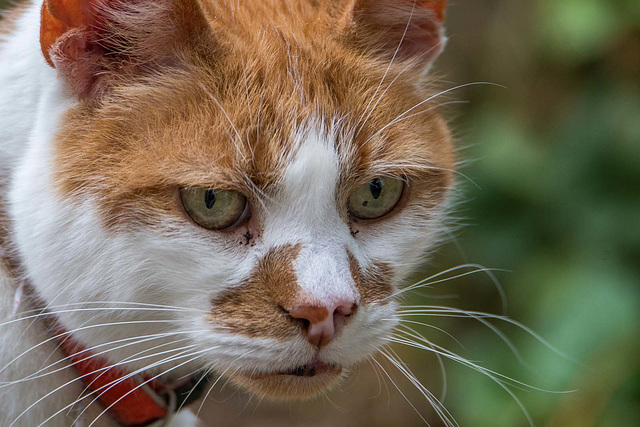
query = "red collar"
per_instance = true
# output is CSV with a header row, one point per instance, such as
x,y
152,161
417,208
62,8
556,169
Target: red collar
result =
x,y
129,402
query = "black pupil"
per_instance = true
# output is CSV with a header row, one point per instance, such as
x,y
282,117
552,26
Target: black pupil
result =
x,y
376,188
210,198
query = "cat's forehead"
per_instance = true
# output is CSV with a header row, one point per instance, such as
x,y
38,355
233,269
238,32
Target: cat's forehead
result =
x,y
237,119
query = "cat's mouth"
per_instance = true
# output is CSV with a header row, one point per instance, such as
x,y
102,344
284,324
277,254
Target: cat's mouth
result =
x,y
309,370
302,382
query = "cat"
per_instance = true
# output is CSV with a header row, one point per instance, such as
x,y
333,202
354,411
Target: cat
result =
x,y
213,189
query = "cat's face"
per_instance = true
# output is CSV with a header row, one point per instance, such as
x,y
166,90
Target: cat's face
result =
x,y
267,179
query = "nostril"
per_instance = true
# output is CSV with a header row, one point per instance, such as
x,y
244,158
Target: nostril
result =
x,y
304,323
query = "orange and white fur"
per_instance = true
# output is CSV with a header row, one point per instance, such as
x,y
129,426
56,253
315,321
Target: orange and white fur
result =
x,y
111,111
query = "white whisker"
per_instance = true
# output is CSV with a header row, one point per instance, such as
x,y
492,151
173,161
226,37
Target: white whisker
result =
x,y
137,340
56,390
197,384
430,98
68,333
219,378
479,269
401,392
110,303
233,126
443,311
494,376
386,72
183,353
84,310
144,383
442,412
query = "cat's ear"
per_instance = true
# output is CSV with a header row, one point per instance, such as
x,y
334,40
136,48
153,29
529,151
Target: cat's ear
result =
x,y
90,42
409,30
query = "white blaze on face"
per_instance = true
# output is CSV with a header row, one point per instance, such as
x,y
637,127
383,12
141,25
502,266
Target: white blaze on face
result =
x,y
306,213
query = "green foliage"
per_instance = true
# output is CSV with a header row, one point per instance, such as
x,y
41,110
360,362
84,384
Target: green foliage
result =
x,y
558,166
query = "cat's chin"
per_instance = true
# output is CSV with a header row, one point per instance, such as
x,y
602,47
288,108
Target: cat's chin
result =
x,y
301,383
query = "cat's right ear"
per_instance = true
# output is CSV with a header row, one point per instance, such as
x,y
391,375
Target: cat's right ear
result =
x,y
92,43
409,31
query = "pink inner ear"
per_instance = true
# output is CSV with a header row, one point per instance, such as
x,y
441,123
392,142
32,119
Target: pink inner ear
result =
x,y
61,16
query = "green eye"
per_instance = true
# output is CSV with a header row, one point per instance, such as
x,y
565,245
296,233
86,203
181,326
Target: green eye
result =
x,y
213,209
376,199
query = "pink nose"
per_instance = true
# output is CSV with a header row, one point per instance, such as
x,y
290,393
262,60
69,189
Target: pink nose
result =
x,y
323,323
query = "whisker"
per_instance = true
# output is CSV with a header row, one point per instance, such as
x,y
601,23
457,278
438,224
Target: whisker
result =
x,y
494,376
137,340
479,269
109,303
400,391
381,380
51,393
442,412
131,359
71,283
386,72
206,396
430,98
455,312
143,384
202,378
85,310
67,333
410,65
435,107
233,126
219,378
429,326
105,388
443,370
498,332
438,357
333,404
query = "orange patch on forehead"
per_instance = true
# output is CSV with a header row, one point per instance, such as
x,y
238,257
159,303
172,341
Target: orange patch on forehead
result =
x,y
228,120
255,309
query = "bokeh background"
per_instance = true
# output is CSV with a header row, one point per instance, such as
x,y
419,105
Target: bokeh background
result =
x,y
550,193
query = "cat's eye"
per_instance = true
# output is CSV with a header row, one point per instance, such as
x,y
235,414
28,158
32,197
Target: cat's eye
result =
x,y
213,209
376,198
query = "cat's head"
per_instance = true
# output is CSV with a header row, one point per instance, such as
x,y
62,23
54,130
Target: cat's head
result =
x,y
244,185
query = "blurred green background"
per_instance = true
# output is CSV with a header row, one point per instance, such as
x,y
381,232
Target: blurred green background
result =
x,y
557,160
552,194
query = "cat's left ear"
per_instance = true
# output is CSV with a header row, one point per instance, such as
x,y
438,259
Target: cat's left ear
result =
x,y
93,43
412,31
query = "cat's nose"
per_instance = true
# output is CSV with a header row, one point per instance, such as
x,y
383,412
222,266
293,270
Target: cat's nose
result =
x,y
323,322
